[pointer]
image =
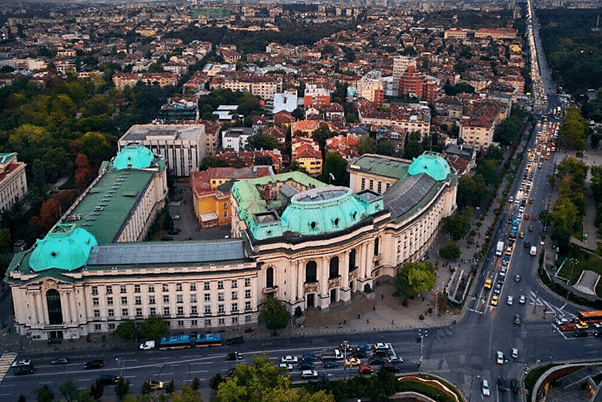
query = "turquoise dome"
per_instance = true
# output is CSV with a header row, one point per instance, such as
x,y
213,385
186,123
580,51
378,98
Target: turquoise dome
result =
x,y
431,164
65,247
133,157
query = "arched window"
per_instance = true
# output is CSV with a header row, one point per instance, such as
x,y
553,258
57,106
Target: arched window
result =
x,y
53,300
376,245
334,268
269,278
352,260
311,272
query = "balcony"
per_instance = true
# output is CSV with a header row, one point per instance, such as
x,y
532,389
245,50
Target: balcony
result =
x,y
273,289
311,287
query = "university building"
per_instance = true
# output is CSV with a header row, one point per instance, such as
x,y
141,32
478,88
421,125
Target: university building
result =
x,y
293,237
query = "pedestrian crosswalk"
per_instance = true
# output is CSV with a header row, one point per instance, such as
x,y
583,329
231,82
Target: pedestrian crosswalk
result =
x,y
5,361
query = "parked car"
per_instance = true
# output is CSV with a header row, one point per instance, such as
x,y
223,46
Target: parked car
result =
x,y
108,379
498,289
494,300
94,364
23,370
517,319
485,387
515,385
499,357
330,364
365,369
60,360
501,384
364,347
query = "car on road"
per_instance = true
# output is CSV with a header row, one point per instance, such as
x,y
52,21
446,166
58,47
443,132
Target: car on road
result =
x,y
509,300
498,289
514,353
597,332
108,379
534,217
365,369
395,359
526,216
494,300
569,326
580,333
531,228
499,357
382,352
517,278
21,362
581,325
330,364
306,366
153,384
23,370
309,358
94,364
522,299
352,361
485,388
309,374
377,360
501,384
237,340
527,244
562,321
530,200
286,366
515,385
364,347
175,217
488,283
289,359
391,367
233,356
359,354
521,235
60,360
517,319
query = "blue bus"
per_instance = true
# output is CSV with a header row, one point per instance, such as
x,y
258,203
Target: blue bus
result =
x,y
190,341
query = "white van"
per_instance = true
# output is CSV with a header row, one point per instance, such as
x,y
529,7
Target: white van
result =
x,y
533,250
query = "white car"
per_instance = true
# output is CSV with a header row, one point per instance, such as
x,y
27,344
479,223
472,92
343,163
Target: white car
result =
x,y
485,387
509,300
309,374
289,359
514,353
499,357
21,362
522,299
286,366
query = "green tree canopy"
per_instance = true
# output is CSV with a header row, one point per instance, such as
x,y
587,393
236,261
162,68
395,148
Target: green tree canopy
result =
x,y
450,251
366,145
127,330
458,225
413,149
274,313
262,141
564,214
95,146
415,278
336,165
153,327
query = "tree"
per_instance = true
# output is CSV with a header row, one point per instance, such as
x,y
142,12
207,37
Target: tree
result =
x,y
94,145
122,388
450,251
262,141
564,214
127,330
336,165
188,394
458,224
413,149
153,327
415,278
169,388
385,148
274,314
5,241
97,389
83,173
215,381
366,145
196,383
69,390
44,394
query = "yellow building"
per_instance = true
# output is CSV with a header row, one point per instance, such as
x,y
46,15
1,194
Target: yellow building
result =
x,y
211,192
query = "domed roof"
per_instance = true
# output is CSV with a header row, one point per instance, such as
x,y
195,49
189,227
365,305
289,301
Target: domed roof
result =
x,y
65,247
325,210
431,164
133,157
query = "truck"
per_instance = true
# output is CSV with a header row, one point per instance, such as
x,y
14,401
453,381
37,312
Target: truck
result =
x,y
331,354
500,248
148,345
533,250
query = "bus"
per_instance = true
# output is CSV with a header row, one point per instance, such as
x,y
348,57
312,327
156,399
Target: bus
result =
x,y
590,317
190,341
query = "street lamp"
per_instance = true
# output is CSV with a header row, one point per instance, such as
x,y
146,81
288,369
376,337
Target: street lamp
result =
x,y
345,343
421,335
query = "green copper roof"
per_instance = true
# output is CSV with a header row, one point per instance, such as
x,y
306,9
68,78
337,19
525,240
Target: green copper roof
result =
x,y
133,157
431,164
5,157
65,247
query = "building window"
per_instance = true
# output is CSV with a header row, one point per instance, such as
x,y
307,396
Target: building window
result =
x,y
234,295
371,184
165,298
97,327
165,287
234,307
138,300
207,309
111,312
136,288
220,296
193,287
363,183
206,286
234,320
138,312
234,284
207,296
180,323
110,301
179,299
152,311
95,301
247,281
225,214
180,310
124,312
194,323
220,284
94,290
166,311
225,205
379,187
112,326
248,305
178,287
151,300
193,298
247,318
220,308
151,288
334,268
109,289
124,300
247,293
207,323
96,313
193,310
123,289
221,321
311,271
